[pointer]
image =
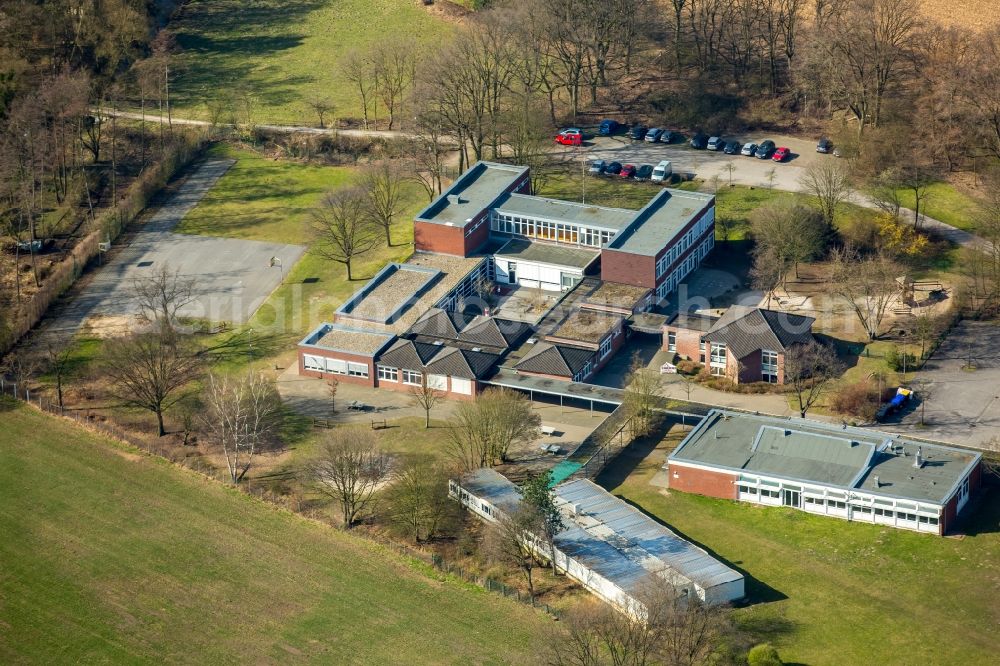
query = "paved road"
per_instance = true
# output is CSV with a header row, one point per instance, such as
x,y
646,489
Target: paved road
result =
x,y
233,277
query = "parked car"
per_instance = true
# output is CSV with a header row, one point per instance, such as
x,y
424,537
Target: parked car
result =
x,y
597,167
698,141
716,143
669,136
749,149
608,127
570,137
653,135
765,149
781,154
637,132
661,172
824,146
613,169
628,171
644,172
732,148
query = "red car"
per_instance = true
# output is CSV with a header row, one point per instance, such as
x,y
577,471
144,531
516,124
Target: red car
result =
x,y
628,171
570,137
781,154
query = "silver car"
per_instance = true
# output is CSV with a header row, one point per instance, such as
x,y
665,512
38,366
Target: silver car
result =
x,y
749,149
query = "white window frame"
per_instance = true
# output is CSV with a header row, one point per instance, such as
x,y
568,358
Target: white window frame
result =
x,y
387,373
412,377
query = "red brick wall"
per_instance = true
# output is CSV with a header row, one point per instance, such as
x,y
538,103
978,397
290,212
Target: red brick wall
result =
x,y
701,482
950,515
400,387
617,266
688,342
367,360
430,237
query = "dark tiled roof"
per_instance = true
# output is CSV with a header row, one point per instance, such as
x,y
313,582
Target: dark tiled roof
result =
x,y
462,363
409,355
558,360
439,359
439,323
745,330
495,333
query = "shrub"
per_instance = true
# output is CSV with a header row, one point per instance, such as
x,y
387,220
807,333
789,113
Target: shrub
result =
x,y
860,400
895,358
764,654
686,367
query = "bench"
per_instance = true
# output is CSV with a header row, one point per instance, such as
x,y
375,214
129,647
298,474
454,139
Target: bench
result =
x,y
379,425
548,430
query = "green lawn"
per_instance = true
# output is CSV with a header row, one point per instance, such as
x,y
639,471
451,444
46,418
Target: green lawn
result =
x,y
946,203
112,556
825,591
283,53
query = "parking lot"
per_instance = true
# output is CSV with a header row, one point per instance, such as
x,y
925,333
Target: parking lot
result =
x,y
705,164
962,404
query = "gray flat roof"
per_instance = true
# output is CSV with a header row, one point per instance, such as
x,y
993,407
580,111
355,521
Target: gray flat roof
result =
x,y
558,387
548,253
659,221
613,219
826,454
334,337
388,293
474,191
626,546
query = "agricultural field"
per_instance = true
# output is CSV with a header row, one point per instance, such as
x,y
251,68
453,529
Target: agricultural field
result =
x,y
826,591
272,57
115,556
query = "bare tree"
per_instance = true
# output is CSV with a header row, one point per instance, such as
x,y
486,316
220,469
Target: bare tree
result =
x,y
150,371
829,182
321,106
418,501
393,64
242,415
426,397
809,370
58,360
483,431
991,456
788,233
332,384
511,541
868,284
538,494
643,391
349,469
663,626
383,182
343,227
768,270
358,69
162,295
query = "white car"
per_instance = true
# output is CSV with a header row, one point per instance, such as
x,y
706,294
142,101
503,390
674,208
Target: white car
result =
x,y
749,149
661,172
716,143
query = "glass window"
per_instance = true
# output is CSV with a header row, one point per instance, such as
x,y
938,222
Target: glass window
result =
x,y
357,369
411,377
388,373
671,341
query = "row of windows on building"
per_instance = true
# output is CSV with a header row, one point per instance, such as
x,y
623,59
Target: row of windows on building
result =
x,y
560,232
820,503
335,366
685,268
768,358
681,246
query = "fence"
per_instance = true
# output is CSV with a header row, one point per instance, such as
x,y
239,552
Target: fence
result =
x,y
106,227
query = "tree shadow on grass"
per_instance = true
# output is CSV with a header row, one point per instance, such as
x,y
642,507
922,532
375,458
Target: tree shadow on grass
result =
x,y
983,515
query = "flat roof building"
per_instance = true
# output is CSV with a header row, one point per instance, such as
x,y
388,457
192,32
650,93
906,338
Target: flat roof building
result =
x,y
608,546
851,473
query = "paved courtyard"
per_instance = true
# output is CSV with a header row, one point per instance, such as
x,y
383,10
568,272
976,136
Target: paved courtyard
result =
x,y
233,277
963,406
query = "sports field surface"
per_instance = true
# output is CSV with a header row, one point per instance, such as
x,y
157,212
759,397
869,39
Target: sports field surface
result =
x,y
112,556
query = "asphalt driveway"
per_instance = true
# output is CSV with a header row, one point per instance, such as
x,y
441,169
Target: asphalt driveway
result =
x,y
233,277
962,404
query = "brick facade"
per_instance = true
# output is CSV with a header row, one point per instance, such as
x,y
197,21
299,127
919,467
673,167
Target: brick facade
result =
x,y
701,482
440,238
627,268
688,342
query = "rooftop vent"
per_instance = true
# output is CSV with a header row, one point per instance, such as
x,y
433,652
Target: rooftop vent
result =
x,y
438,343
477,349
532,341
576,509
878,483
918,462
454,199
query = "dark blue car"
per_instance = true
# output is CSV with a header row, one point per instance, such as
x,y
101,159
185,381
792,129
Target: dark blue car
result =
x,y
608,127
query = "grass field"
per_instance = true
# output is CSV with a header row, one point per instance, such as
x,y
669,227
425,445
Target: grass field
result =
x,y
284,52
947,204
111,556
826,591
